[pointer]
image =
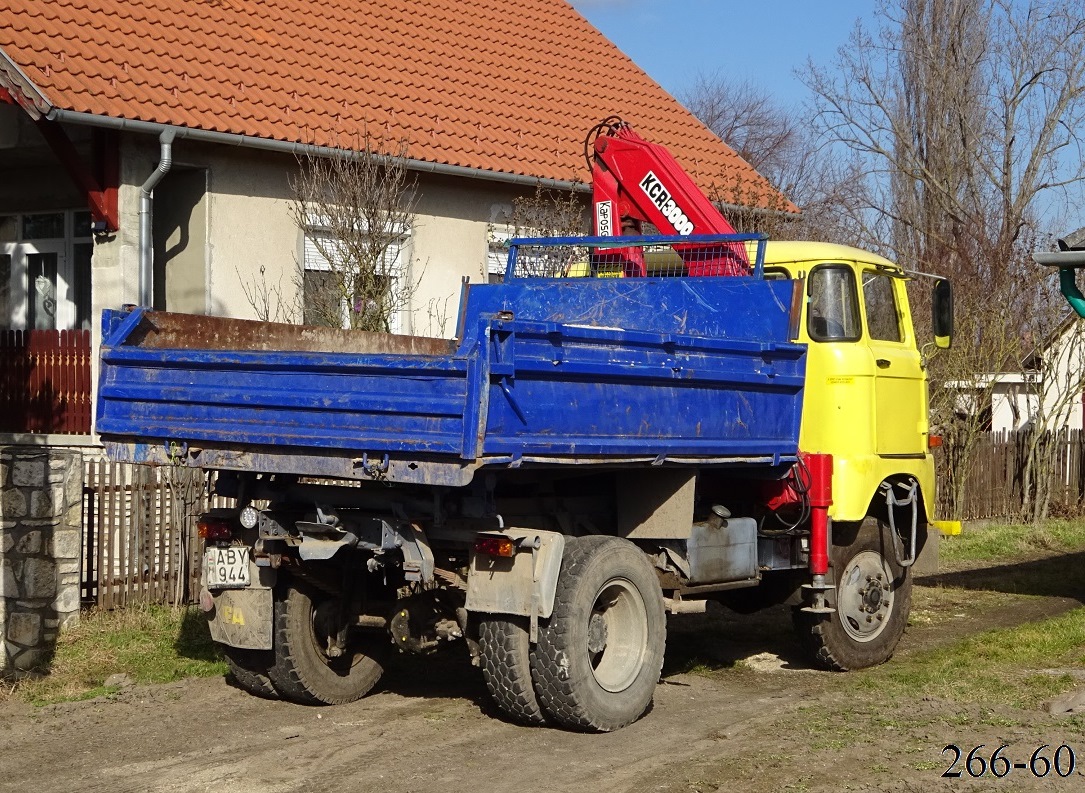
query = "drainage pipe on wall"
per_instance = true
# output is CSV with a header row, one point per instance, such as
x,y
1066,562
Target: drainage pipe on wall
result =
x,y
146,215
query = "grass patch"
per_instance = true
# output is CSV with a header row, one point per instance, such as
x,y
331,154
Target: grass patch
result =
x,y
1000,666
149,644
1004,541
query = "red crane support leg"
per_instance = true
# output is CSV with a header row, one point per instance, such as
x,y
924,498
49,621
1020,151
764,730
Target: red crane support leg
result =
x,y
820,494
820,467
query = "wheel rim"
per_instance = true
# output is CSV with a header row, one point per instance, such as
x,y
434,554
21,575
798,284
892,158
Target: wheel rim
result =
x,y
865,596
617,635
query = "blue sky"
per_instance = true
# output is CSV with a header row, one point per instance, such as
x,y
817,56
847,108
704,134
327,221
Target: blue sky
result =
x,y
763,42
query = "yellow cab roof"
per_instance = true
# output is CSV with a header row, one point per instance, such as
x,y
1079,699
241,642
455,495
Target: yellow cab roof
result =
x,y
801,252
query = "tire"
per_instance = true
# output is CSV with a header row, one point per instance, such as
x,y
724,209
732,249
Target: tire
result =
x,y
506,667
600,654
302,672
248,670
869,620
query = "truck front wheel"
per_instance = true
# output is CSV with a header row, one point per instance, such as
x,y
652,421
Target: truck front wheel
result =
x,y
599,656
872,599
303,670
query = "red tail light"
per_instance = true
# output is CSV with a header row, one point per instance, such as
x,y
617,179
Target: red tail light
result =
x,y
215,528
495,546
934,441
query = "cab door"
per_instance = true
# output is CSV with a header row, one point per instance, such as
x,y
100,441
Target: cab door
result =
x,y
900,397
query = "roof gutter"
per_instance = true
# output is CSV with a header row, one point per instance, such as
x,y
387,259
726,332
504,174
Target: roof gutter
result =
x,y
297,149
309,150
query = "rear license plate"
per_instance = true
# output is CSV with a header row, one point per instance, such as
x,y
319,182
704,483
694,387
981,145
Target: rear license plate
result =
x,y
226,568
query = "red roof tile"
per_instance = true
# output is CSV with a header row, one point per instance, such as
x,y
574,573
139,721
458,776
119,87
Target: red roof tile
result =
x,y
466,82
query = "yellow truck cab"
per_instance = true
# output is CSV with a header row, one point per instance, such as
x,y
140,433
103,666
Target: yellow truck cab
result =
x,y
866,405
866,387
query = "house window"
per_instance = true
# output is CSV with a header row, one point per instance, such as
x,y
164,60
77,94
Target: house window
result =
x,y
43,227
334,295
497,256
879,297
45,270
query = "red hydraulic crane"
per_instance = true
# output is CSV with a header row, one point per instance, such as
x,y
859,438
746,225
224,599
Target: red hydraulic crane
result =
x,y
633,182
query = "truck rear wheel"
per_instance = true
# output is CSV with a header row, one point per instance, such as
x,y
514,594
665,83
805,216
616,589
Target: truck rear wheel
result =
x,y
303,671
599,656
872,598
248,668
506,667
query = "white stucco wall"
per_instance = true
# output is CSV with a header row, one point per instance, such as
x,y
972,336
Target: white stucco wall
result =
x,y
250,225
1013,406
1064,377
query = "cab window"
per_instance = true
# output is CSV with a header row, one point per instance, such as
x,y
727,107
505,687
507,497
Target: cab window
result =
x,y
880,300
833,312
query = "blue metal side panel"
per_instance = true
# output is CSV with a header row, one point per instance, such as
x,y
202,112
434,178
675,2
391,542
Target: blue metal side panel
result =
x,y
374,402
708,372
649,367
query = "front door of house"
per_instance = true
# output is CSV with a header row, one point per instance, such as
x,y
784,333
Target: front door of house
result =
x,y
38,284
44,273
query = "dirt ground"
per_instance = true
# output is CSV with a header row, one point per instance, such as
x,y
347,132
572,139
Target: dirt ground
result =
x,y
430,726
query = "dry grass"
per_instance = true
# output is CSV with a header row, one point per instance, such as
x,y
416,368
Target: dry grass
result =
x,y
148,644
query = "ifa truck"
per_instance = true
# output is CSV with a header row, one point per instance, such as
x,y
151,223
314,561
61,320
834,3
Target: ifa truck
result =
x,y
627,427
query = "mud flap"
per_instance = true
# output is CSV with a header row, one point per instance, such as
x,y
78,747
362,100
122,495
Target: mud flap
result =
x,y
523,585
242,617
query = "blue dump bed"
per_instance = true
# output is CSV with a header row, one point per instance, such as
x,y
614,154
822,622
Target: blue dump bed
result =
x,y
544,371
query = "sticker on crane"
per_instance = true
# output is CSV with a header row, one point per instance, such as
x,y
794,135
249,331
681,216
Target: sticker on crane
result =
x,y
661,197
604,225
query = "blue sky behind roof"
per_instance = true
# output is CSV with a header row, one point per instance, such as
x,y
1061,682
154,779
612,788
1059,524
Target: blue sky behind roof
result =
x,y
763,42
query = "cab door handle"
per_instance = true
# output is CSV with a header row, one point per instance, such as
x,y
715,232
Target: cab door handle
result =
x,y
883,363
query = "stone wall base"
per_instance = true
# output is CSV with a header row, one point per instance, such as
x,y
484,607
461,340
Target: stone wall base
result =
x,y
41,534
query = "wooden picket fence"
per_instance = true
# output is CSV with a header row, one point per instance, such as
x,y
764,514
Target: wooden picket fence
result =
x,y
995,476
45,381
140,540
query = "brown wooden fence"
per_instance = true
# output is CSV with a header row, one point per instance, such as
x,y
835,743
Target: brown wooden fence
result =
x,y
140,538
995,476
45,381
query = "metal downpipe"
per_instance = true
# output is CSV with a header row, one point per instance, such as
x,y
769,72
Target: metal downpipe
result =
x,y
146,216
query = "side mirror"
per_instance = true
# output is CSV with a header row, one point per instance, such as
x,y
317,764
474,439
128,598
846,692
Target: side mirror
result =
x,y
942,314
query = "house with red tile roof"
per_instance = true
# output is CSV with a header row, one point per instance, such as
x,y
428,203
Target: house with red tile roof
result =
x,y
148,147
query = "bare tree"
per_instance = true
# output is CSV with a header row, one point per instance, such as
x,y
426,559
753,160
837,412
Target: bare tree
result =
x,y
545,213
270,301
1060,374
961,115
772,139
747,119
548,213
356,210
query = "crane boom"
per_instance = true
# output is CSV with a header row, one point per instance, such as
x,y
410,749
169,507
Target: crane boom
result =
x,y
635,181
